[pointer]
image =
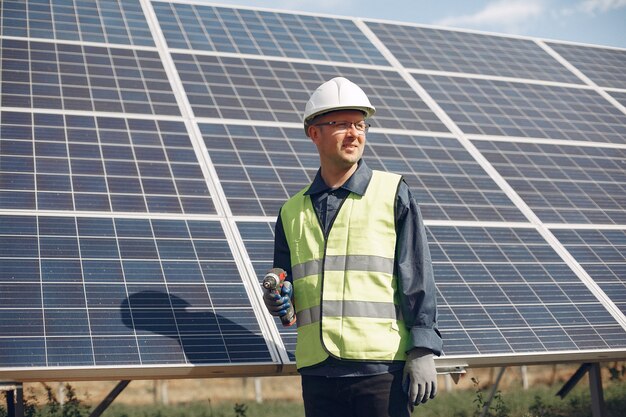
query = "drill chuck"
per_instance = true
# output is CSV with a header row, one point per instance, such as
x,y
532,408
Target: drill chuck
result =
x,y
271,281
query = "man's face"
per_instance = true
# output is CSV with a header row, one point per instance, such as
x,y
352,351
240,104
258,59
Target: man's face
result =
x,y
338,146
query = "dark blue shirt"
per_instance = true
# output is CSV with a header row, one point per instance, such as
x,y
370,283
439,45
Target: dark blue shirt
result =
x,y
412,267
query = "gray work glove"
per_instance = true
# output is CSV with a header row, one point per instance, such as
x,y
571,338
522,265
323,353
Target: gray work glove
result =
x,y
277,304
419,377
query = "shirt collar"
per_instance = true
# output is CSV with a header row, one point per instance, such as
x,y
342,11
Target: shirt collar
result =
x,y
357,183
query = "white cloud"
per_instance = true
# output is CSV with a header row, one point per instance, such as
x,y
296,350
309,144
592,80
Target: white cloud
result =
x,y
501,15
592,6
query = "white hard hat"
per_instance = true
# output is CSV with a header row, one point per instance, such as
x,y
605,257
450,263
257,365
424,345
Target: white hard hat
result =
x,y
337,94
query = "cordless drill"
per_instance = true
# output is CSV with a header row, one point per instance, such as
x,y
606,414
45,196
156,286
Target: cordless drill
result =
x,y
274,281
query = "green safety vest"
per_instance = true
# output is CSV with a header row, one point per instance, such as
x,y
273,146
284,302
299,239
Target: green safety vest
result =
x,y
344,287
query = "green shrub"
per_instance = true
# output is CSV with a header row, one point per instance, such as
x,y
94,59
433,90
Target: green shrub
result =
x,y
538,401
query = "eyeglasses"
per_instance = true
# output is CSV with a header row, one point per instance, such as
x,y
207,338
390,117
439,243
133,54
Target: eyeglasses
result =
x,y
361,126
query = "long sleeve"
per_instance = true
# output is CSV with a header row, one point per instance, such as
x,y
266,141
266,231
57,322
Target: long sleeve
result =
x,y
282,257
416,283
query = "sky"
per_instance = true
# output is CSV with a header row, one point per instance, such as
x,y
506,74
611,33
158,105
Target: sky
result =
x,y
598,22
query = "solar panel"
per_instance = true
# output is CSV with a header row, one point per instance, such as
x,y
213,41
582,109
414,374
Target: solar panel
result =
x,y
88,21
260,167
146,148
85,163
604,66
501,291
221,29
97,291
505,290
501,108
471,53
45,75
267,90
619,96
602,253
564,184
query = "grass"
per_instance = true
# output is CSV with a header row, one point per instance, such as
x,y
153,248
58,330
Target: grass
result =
x,y
538,401
206,409
535,402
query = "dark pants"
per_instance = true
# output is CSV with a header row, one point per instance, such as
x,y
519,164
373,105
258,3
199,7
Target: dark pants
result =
x,y
365,396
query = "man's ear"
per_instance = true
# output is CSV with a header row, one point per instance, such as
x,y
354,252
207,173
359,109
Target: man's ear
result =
x,y
313,133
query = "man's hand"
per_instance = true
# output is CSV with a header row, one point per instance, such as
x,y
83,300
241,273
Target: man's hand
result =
x,y
277,304
420,376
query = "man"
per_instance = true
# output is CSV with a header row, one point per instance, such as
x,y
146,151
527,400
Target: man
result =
x,y
354,245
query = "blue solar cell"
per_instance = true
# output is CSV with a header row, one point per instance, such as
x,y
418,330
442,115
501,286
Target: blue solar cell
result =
x,y
602,254
64,351
460,343
115,351
108,322
264,33
214,86
612,336
27,324
563,183
525,110
138,249
64,322
20,295
142,271
603,66
465,52
65,270
523,340
86,78
22,270
242,156
95,226
115,286
490,341
105,295
23,351
100,176
102,270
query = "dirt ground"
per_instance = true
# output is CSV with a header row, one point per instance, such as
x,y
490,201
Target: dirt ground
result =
x,y
286,388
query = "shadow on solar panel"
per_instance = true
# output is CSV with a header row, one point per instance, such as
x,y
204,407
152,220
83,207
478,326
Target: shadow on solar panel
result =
x,y
169,329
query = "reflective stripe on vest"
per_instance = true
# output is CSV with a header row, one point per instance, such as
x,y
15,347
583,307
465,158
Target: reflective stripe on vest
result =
x,y
344,287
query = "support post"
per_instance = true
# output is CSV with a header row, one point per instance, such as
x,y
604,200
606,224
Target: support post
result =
x,y
109,399
165,395
524,372
595,386
10,403
15,399
19,400
487,404
61,393
571,383
258,390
